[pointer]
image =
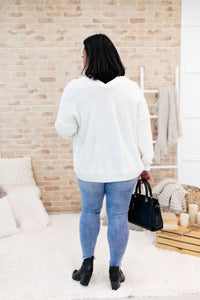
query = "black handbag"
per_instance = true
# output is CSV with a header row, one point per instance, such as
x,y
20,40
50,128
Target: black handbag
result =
x,y
144,210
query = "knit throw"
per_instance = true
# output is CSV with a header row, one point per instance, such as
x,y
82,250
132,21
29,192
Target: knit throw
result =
x,y
171,195
169,128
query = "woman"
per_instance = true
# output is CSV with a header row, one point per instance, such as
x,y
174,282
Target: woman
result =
x,y
107,115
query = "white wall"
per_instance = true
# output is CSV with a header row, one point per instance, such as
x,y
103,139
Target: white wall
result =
x,y
189,144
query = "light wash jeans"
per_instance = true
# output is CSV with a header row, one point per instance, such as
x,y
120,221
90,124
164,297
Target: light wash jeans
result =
x,y
118,196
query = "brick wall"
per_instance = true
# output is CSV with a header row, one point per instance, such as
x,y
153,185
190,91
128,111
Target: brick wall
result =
x,y
40,51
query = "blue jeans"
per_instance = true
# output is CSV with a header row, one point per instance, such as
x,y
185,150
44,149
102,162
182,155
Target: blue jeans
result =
x,y
118,196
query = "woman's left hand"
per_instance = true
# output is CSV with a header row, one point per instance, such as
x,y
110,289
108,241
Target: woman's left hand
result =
x,y
145,175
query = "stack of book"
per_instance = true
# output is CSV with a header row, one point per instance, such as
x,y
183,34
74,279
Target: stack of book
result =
x,y
170,221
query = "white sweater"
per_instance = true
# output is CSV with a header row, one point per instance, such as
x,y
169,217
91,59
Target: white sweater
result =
x,y
111,128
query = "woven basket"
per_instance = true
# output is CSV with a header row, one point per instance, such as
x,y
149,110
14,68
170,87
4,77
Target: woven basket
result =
x,y
192,196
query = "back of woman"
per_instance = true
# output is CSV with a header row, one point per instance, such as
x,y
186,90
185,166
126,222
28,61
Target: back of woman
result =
x,y
107,115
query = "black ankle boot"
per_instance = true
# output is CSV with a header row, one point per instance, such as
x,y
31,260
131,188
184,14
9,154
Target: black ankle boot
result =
x,y
85,272
116,277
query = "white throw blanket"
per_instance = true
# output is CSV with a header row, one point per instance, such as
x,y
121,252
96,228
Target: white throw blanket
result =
x,y
171,195
169,128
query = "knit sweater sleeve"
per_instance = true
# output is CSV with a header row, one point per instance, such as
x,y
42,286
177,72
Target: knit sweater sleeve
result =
x,y
144,133
66,123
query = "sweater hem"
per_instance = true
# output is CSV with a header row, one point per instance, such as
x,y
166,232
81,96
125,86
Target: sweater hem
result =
x,y
109,179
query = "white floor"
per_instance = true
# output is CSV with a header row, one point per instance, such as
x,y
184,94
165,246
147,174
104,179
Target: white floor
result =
x,y
185,297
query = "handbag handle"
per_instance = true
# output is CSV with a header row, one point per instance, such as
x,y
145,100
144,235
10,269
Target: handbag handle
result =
x,y
138,187
146,185
149,188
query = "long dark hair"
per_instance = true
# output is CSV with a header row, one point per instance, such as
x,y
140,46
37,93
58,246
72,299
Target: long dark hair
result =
x,y
103,61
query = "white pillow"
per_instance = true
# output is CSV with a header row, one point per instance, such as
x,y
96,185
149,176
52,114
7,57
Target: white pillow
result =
x,y
16,172
28,209
7,220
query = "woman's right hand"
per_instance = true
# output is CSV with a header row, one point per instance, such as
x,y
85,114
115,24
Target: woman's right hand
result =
x,y
145,175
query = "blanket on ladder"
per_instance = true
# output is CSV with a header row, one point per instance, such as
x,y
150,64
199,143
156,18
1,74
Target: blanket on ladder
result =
x,y
169,128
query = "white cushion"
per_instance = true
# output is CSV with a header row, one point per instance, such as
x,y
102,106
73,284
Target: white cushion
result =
x,y
16,172
7,220
28,209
